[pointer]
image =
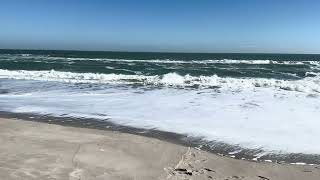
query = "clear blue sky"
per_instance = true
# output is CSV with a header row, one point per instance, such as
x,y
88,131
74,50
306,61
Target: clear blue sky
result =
x,y
162,25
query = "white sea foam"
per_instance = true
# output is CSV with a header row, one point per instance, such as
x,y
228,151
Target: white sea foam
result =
x,y
275,121
249,112
26,55
209,61
170,61
307,85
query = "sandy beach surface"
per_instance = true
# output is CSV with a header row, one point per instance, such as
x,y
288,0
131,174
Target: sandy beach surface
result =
x,y
38,151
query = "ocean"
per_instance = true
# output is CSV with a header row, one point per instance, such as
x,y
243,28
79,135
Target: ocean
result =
x,y
247,106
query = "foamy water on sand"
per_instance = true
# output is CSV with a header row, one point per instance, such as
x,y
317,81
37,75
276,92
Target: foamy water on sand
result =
x,y
270,105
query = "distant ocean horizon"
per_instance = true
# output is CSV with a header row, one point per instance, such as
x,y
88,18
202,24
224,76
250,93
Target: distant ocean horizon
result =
x,y
25,50
254,102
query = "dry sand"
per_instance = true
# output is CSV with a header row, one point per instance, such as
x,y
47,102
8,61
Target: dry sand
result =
x,y
39,151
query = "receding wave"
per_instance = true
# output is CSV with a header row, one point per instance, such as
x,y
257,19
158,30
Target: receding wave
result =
x,y
308,84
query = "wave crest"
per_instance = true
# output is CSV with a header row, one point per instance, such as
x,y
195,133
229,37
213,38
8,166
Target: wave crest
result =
x,y
308,84
167,61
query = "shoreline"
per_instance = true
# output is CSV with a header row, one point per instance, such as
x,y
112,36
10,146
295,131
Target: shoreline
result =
x,y
34,150
218,148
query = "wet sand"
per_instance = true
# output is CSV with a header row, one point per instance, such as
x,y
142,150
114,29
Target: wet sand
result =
x,y
38,151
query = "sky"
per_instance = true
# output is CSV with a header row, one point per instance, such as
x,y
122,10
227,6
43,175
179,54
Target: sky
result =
x,y
235,26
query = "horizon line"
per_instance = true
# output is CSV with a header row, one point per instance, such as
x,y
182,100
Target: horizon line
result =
x,y
173,52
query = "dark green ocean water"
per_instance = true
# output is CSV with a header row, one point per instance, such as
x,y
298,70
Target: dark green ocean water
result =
x,y
279,66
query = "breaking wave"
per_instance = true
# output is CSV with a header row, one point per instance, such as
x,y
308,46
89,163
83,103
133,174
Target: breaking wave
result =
x,y
307,84
164,61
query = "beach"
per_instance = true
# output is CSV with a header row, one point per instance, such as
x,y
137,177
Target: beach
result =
x,y
249,105
159,90
34,150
